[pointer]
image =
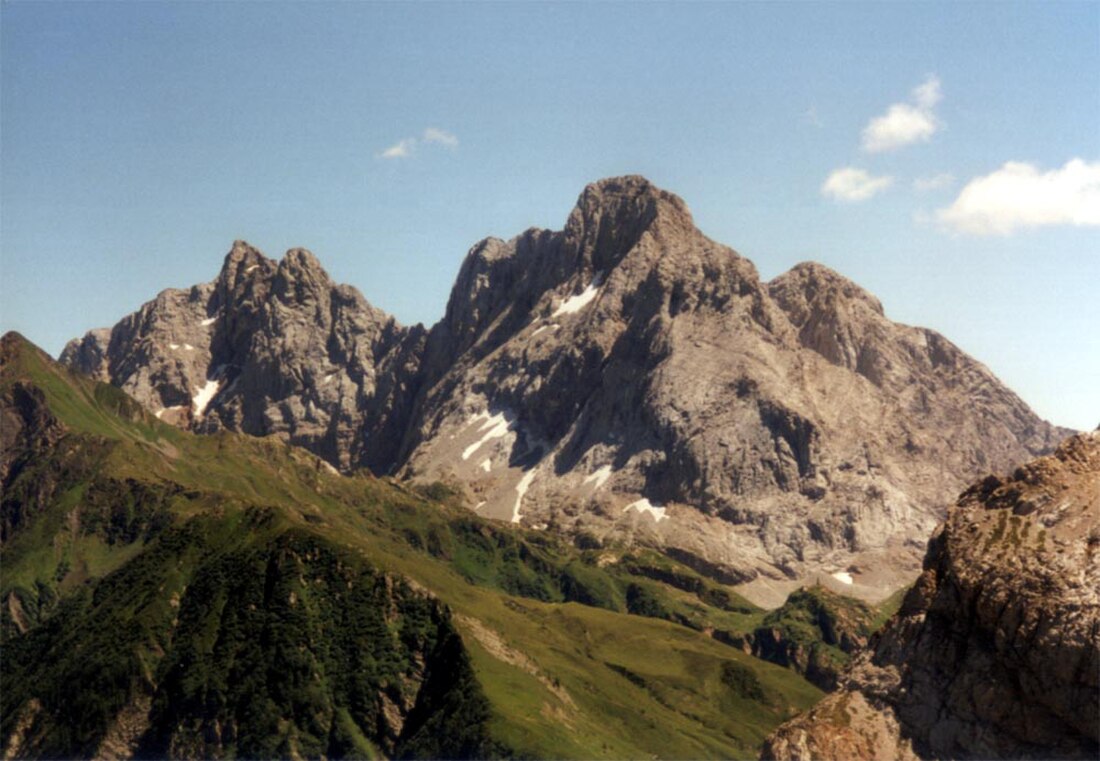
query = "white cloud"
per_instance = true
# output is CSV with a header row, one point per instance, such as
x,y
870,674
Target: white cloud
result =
x,y
402,149
934,182
436,135
905,123
928,94
851,184
1018,196
406,147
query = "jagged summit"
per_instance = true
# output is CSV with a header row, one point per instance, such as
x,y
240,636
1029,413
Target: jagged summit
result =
x,y
243,253
268,347
628,196
624,379
612,214
243,260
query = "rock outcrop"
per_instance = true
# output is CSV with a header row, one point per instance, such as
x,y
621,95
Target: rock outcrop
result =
x,y
625,378
995,652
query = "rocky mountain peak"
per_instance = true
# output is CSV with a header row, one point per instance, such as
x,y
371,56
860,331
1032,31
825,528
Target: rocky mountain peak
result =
x,y
626,199
301,280
629,360
810,286
507,280
611,216
301,263
625,379
846,325
242,259
267,348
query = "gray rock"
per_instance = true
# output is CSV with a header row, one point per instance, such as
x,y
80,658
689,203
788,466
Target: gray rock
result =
x,y
782,428
625,378
268,348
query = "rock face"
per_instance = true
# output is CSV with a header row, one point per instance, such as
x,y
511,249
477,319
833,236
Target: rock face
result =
x,y
626,379
267,348
630,379
995,652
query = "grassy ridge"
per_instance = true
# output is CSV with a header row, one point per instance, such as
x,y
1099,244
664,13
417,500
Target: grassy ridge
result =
x,y
240,637
816,632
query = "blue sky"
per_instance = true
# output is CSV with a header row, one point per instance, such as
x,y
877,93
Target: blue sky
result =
x,y
138,140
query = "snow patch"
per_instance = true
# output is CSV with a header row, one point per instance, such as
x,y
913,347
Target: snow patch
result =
x,y
541,328
487,465
479,505
188,347
327,378
330,469
161,411
578,302
843,576
173,346
645,506
599,476
204,395
495,426
521,490
249,269
209,321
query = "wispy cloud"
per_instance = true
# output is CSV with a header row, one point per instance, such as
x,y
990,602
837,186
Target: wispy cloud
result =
x,y
1019,196
929,93
402,149
810,116
934,182
436,135
906,123
852,184
406,147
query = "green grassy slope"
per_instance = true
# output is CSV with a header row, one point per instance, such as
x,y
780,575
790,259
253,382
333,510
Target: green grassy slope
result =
x,y
817,631
168,594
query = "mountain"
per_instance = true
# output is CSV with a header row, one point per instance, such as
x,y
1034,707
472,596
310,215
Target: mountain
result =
x,y
167,595
624,380
995,652
268,349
